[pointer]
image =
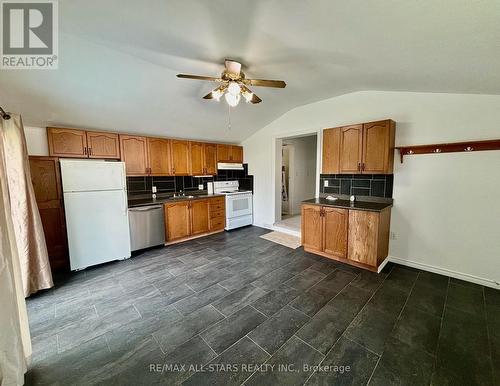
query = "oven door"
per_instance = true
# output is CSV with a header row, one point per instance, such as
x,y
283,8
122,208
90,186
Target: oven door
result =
x,y
238,205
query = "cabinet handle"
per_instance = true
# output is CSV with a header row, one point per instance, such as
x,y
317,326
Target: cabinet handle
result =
x,y
359,166
85,150
363,166
90,151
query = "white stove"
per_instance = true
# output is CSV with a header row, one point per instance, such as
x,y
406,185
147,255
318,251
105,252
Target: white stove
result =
x,y
239,203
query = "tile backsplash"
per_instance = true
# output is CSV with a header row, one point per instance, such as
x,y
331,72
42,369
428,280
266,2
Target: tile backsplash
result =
x,y
378,185
143,185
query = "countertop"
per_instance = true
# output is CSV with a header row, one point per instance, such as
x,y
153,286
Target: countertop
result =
x,y
346,204
136,202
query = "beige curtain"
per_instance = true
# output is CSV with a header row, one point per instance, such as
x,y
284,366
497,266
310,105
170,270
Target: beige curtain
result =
x,y
15,343
30,240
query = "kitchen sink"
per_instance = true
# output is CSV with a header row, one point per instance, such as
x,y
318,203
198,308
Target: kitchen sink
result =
x,y
181,197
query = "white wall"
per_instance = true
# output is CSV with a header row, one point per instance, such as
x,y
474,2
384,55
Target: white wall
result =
x,y
36,140
446,212
303,180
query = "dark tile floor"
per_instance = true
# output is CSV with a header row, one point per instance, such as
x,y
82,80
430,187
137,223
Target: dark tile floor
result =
x,y
233,308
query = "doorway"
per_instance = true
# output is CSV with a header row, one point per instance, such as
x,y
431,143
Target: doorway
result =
x,y
298,179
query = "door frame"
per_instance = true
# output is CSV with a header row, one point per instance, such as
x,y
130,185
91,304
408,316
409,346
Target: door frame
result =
x,y
277,160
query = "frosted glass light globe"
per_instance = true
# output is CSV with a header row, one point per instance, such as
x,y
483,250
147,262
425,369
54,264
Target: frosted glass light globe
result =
x,y
232,100
233,88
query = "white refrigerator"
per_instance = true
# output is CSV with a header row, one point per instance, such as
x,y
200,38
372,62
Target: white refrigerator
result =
x,y
95,202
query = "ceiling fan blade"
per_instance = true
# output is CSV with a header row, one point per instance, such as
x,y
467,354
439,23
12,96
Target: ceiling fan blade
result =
x,y
232,67
255,99
209,96
199,77
265,83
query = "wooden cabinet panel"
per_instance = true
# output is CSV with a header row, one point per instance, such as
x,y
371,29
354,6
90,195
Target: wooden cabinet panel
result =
x,y
196,152
134,153
378,151
103,145
177,220
67,142
180,157
199,217
363,237
210,158
159,157
312,227
236,154
223,153
335,228
351,141
331,151
46,181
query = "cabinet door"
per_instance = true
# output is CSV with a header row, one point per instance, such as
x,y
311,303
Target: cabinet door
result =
x,y
177,220
199,217
134,152
223,153
363,236
196,152
351,140
46,181
311,227
210,159
331,151
103,145
180,157
236,154
159,157
67,142
377,149
335,228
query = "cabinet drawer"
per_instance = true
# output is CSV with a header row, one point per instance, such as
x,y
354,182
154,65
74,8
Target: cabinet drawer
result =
x,y
217,206
217,223
217,201
217,213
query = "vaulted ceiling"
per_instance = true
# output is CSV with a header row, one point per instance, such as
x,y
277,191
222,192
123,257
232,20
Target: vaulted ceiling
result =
x,y
119,58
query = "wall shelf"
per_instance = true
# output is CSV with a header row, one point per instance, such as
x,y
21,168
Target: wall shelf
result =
x,y
436,148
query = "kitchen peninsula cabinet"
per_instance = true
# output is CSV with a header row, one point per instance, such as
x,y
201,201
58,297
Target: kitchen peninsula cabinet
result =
x,y
354,236
366,148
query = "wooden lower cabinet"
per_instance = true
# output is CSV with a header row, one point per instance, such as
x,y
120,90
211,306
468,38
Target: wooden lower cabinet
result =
x,y
188,219
355,237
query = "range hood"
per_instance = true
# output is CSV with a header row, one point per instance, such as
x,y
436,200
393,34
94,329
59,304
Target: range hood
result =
x,y
229,166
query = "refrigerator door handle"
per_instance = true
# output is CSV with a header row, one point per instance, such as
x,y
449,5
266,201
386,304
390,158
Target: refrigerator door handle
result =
x,y
125,203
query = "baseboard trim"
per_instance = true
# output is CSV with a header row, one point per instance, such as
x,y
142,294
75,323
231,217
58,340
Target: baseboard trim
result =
x,y
446,272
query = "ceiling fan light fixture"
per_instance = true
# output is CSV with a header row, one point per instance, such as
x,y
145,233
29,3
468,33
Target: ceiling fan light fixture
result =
x,y
217,93
233,88
232,100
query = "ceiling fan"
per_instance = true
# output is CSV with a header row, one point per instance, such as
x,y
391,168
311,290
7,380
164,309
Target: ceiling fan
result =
x,y
234,84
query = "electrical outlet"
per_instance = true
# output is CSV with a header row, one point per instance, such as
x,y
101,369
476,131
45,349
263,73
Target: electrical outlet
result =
x,y
154,189
392,236
325,183
200,187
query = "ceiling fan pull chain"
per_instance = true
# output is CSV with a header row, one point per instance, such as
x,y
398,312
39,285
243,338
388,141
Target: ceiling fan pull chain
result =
x,y
228,117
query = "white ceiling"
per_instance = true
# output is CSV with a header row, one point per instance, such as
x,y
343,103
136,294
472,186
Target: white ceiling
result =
x,y
119,58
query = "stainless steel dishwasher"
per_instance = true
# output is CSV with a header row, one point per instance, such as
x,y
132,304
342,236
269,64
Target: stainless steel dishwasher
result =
x,y
147,226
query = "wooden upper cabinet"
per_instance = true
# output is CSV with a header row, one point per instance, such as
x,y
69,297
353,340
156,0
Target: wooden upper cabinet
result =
x,y
236,154
67,142
312,227
223,153
196,152
199,217
180,157
378,147
351,147
159,156
103,145
210,158
335,230
177,220
134,152
331,151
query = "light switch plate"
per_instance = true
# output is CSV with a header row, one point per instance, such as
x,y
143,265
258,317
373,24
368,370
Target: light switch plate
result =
x,y
325,183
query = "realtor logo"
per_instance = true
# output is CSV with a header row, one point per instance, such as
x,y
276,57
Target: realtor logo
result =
x,y
29,34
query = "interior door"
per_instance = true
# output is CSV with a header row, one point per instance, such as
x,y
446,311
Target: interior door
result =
x,y
210,159
159,157
376,147
196,152
312,227
67,142
335,229
199,217
351,147
180,157
134,152
103,145
177,220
